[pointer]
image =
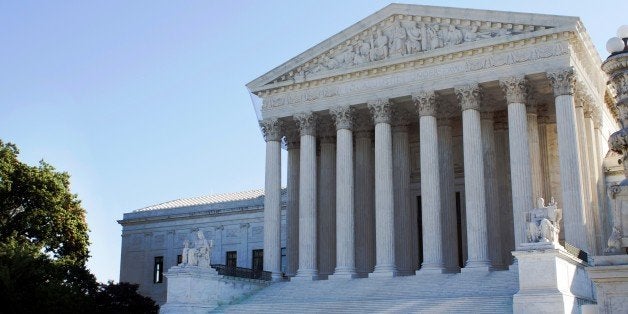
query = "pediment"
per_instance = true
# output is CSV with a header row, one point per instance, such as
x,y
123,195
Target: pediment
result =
x,y
400,32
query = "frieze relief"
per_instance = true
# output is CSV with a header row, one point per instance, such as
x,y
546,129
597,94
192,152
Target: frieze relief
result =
x,y
494,60
403,35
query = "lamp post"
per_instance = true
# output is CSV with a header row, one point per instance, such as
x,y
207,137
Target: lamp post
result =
x,y
616,66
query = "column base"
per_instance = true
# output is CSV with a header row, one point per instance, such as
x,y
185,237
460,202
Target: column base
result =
x,y
384,271
476,266
276,276
306,275
431,270
343,274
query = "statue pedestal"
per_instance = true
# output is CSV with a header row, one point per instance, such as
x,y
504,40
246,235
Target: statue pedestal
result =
x,y
610,275
191,289
550,280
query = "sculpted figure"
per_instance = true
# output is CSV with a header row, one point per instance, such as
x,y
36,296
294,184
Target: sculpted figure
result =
x,y
433,36
470,34
399,41
544,222
614,241
413,44
379,50
362,53
200,254
453,36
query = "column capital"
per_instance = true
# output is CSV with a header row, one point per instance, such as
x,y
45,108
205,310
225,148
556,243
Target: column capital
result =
x,y
425,103
400,120
380,109
597,117
443,121
271,128
343,117
468,96
306,122
515,88
563,81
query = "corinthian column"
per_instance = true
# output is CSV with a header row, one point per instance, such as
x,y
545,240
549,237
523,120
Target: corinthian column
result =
x,y
292,214
580,101
364,196
272,198
477,237
384,203
425,103
491,192
594,175
521,181
535,150
345,241
307,197
326,218
404,248
563,81
449,219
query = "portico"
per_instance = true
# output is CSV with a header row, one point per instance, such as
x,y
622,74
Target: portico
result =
x,y
424,152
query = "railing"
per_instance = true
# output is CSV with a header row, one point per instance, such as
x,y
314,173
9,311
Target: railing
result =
x,y
241,272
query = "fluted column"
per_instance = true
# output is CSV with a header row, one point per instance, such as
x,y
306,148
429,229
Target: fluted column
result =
x,y
579,101
307,197
477,236
491,192
544,155
326,218
502,152
272,199
425,103
605,219
404,249
292,213
364,197
449,220
384,203
345,241
563,81
535,153
521,180
593,158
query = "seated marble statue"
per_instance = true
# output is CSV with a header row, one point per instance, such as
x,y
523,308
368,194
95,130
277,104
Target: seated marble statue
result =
x,y
200,254
543,222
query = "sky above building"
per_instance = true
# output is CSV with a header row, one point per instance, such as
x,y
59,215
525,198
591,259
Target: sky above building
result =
x,y
144,101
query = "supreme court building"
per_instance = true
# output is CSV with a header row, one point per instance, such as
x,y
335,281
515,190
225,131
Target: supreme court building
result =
x,y
456,119
418,141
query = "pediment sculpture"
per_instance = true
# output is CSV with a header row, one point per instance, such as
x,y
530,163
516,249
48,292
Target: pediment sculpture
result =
x,y
543,222
197,253
405,36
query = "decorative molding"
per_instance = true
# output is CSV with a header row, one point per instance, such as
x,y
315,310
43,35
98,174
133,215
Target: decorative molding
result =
x,y
343,117
306,122
563,81
311,92
401,36
381,110
425,103
515,89
468,96
271,128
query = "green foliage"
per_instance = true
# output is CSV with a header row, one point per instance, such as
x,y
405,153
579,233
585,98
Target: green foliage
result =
x,y
36,204
44,247
123,298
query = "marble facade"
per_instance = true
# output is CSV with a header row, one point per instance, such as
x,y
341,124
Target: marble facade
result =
x,y
468,117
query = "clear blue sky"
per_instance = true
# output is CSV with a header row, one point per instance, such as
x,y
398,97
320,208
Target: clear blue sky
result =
x,y
144,101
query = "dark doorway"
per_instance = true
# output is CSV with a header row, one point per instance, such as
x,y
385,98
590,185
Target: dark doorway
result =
x,y
258,260
419,222
232,258
459,228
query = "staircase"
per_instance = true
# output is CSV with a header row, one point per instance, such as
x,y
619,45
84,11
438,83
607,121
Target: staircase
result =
x,y
424,293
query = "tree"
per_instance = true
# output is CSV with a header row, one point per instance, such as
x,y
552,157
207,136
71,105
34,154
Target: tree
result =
x,y
44,247
123,298
36,206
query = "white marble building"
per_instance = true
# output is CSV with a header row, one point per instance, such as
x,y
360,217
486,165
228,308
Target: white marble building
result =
x,y
418,142
156,234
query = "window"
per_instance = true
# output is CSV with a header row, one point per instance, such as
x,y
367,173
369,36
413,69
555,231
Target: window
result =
x,y
258,260
232,258
179,259
283,260
158,270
